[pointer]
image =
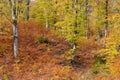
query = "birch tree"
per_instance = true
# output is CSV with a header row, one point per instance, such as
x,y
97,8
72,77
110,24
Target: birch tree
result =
x,y
75,31
15,28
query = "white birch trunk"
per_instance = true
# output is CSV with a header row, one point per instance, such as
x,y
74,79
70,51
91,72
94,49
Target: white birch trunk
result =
x,y
15,29
73,55
47,20
75,32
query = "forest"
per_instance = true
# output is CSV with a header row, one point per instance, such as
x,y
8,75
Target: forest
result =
x,y
59,39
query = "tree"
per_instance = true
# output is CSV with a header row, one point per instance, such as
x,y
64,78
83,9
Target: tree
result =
x,y
43,11
75,31
46,10
87,21
106,20
27,9
15,28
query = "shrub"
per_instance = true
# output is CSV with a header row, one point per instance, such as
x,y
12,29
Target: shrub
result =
x,y
3,48
100,60
5,77
94,70
41,39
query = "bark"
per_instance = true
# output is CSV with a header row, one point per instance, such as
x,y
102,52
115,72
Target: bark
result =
x,y
47,16
27,9
98,34
76,16
0,19
47,23
47,19
87,21
106,17
15,28
106,22
73,55
55,14
75,32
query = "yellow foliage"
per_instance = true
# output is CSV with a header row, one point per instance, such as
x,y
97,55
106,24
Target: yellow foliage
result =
x,y
110,52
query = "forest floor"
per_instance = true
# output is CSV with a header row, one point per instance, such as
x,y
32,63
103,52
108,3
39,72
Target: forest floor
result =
x,y
43,61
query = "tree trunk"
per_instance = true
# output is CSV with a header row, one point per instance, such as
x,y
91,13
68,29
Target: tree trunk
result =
x,y
0,18
47,23
15,29
55,14
87,21
75,32
27,9
76,17
98,34
47,19
106,22
73,55
106,17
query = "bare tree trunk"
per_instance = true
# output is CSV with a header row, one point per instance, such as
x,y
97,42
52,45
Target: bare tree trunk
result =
x,y
76,16
0,18
98,34
106,17
75,32
106,23
55,13
27,9
47,19
15,29
87,21
47,15
47,23
73,55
